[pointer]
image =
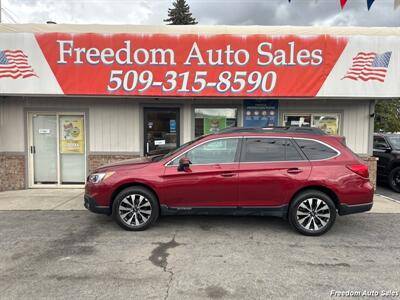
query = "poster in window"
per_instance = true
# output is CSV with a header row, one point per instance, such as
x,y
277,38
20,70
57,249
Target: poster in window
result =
x,y
172,126
72,140
327,123
260,113
213,124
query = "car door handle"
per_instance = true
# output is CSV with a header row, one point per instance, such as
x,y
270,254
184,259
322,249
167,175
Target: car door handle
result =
x,y
294,171
228,174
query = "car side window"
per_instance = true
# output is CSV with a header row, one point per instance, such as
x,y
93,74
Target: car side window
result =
x,y
269,149
380,142
291,152
314,150
212,152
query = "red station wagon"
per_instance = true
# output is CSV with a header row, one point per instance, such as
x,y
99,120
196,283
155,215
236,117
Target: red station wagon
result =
x,y
306,178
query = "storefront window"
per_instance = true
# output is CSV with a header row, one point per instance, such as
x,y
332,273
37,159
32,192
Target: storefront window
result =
x,y
212,120
327,122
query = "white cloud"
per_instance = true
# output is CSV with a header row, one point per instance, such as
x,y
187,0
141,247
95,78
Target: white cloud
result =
x,y
344,19
207,12
282,12
85,11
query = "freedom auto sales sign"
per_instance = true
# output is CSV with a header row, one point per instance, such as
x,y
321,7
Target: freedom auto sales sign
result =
x,y
219,65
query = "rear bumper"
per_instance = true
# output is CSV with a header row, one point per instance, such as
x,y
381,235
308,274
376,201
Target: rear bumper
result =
x,y
90,204
345,209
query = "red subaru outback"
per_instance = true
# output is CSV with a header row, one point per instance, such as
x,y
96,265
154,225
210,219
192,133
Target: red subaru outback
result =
x,y
306,178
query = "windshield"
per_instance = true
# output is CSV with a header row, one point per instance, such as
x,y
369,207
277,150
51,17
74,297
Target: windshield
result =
x,y
395,141
160,157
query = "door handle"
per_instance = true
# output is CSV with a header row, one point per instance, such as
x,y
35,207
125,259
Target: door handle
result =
x,y
33,149
294,171
228,174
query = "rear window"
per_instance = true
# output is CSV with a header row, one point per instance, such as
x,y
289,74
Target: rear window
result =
x,y
314,150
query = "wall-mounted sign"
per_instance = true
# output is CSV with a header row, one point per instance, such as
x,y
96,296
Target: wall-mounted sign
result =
x,y
72,135
217,65
159,142
44,131
260,113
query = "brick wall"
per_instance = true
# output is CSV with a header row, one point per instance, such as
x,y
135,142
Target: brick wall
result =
x,y
12,172
372,168
98,160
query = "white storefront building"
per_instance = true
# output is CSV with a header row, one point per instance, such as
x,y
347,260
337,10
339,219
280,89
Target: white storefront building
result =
x,y
73,97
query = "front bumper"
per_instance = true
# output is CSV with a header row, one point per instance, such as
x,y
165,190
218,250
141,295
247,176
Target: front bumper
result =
x,y
345,209
90,204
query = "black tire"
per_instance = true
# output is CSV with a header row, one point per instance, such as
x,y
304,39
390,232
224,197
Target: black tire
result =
x,y
314,216
126,215
394,179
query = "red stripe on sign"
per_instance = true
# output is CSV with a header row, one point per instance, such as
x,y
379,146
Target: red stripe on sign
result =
x,y
17,75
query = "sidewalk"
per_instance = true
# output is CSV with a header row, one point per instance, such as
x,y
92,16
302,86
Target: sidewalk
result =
x,y
42,199
72,199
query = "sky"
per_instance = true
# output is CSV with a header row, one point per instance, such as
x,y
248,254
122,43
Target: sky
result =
x,y
207,12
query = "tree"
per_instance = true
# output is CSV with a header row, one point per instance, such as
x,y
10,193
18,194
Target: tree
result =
x,y
180,14
387,116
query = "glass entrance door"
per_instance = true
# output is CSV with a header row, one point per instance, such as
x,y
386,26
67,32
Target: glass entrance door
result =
x,y
72,149
44,149
57,149
161,130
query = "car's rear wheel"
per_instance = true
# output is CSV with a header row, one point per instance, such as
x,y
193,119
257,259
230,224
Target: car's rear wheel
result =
x,y
394,179
135,208
312,213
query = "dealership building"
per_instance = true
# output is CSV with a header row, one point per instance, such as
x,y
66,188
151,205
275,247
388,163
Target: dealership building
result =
x,y
74,97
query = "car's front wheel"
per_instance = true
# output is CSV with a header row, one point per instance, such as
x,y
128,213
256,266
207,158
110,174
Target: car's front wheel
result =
x,y
312,213
135,208
394,179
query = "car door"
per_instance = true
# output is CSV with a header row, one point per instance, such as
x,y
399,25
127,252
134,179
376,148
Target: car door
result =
x,y
271,169
382,150
211,180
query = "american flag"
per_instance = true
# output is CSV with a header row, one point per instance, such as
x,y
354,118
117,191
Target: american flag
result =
x,y
15,64
369,66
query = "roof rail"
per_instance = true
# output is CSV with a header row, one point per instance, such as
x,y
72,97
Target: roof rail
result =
x,y
282,129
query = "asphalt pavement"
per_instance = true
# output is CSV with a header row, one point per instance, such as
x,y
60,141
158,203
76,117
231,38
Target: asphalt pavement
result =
x,y
384,190
77,254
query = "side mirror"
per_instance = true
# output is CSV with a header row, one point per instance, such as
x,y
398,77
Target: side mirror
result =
x,y
184,164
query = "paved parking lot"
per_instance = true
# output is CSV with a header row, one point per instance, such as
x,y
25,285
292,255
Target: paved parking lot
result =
x,y
76,254
51,247
70,254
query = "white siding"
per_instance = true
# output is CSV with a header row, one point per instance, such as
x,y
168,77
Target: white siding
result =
x,y
354,113
113,125
12,129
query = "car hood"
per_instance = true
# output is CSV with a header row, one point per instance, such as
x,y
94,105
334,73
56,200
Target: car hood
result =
x,y
134,163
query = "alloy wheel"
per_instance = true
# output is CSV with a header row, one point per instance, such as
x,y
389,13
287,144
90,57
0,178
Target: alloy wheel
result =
x,y
396,178
135,210
313,214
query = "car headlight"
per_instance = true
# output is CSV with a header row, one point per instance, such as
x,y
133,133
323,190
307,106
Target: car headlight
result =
x,y
99,177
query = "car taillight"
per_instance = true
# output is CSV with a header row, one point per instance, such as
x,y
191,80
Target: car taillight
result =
x,y
359,169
